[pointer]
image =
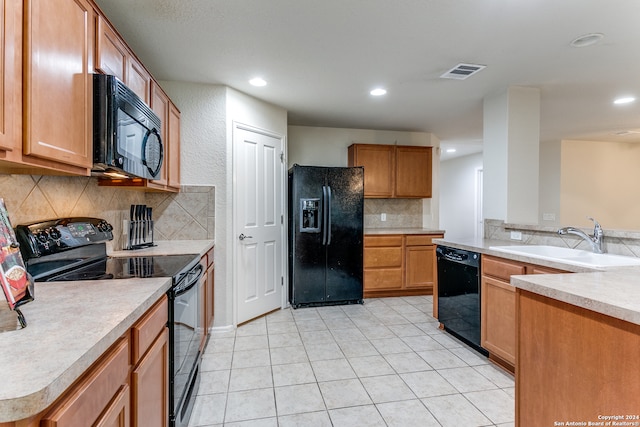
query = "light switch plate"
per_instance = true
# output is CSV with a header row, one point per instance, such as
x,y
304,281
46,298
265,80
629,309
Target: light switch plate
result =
x,y
516,235
383,217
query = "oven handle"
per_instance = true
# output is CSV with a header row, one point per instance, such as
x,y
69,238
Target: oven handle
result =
x,y
191,280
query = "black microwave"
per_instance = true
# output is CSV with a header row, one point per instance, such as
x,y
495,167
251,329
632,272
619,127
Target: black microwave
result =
x,y
126,132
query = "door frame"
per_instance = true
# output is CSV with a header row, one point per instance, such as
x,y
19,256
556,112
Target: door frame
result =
x,y
283,226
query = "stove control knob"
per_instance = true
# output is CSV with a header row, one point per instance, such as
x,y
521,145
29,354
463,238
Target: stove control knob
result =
x,y
42,236
54,233
104,226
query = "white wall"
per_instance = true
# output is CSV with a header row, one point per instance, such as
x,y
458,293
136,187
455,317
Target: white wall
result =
x,y
320,146
458,196
206,151
549,197
511,155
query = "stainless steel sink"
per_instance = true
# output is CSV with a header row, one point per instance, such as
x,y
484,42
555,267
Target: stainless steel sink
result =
x,y
569,256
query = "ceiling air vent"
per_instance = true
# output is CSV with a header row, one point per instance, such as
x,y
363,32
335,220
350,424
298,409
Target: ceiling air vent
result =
x,y
462,71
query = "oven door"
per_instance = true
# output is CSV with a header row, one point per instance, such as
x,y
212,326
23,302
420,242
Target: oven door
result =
x,y
185,335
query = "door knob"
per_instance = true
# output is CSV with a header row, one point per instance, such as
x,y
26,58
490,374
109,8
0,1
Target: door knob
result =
x,y
242,237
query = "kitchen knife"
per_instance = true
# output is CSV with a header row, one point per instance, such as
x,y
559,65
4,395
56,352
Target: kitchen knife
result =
x,y
143,222
150,223
131,217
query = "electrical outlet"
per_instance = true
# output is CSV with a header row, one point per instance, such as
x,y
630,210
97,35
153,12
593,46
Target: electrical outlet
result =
x,y
383,217
516,235
548,217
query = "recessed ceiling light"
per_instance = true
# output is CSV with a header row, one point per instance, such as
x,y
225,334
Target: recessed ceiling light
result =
x,y
258,81
378,92
587,40
451,150
624,100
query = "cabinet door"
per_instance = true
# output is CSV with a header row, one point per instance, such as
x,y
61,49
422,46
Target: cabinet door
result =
x,y
150,383
138,79
11,75
93,395
59,93
383,263
111,52
209,298
498,318
413,172
379,168
117,414
420,267
160,106
173,164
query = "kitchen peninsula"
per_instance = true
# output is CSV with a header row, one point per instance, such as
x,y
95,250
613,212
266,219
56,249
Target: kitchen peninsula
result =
x,y
71,325
577,338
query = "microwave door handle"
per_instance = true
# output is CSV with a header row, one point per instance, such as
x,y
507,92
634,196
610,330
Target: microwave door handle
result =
x,y
143,156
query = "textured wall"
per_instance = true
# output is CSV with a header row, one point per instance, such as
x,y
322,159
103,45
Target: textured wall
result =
x,y
188,215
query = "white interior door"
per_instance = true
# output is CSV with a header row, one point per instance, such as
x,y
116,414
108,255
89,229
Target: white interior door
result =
x,y
258,221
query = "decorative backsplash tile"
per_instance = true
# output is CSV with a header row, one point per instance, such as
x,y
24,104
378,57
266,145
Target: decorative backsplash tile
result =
x,y
188,215
399,212
615,241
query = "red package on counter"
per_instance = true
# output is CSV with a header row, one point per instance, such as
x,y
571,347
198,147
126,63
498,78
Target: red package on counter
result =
x,y
16,282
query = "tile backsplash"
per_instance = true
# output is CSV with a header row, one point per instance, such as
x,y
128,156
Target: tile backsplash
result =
x,y
399,212
188,215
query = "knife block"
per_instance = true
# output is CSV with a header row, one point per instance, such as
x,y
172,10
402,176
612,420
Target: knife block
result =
x,y
140,234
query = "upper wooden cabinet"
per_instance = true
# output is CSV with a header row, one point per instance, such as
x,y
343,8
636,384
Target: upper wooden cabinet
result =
x,y
59,45
139,79
114,57
170,133
11,77
111,52
392,171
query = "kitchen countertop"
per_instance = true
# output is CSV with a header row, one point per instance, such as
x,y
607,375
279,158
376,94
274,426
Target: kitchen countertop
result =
x,y
613,291
70,325
168,247
406,230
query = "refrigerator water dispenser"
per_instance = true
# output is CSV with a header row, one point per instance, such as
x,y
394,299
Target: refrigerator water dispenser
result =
x,y
310,215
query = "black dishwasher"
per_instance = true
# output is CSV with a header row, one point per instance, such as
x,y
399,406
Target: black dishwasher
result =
x,y
459,294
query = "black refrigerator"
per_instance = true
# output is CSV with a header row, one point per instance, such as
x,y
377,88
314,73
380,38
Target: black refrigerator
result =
x,y
326,209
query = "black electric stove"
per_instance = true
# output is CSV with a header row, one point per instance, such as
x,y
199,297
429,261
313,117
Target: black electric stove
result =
x,y
73,249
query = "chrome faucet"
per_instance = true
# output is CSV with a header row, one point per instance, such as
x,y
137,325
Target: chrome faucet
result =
x,y
596,241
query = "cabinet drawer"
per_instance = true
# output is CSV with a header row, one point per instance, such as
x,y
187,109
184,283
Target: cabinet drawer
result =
x,y
145,331
421,239
382,257
383,279
377,241
92,395
501,268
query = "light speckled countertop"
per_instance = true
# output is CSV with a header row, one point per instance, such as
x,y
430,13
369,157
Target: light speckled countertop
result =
x,y
70,325
613,291
407,230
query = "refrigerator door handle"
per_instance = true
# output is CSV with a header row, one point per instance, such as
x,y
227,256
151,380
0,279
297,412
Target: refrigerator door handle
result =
x,y
329,196
324,215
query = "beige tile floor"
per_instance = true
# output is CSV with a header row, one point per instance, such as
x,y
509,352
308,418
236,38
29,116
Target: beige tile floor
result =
x,y
384,363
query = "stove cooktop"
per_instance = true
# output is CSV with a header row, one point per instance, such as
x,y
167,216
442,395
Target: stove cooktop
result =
x,y
121,268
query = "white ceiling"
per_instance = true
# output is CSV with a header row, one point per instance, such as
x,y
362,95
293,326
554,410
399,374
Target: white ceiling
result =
x,y
322,57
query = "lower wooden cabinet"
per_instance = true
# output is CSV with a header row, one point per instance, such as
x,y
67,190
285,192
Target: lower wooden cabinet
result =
x,y
117,414
399,264
150,384
574,364
98,395
498,306
127,386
